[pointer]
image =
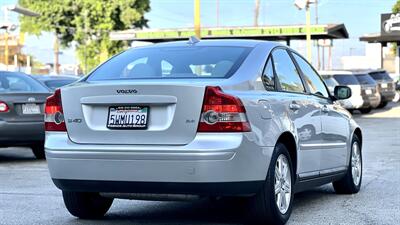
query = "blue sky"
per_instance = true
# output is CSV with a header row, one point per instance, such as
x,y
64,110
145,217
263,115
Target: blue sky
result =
x,y
359,16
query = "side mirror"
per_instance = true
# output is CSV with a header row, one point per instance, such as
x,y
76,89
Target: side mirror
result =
x,y
342,92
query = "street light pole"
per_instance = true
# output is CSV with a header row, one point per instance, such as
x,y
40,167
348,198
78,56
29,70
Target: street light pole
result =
x,y
305,4
197,18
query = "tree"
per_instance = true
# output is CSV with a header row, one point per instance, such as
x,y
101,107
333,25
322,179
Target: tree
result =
x,y
86,23
396,7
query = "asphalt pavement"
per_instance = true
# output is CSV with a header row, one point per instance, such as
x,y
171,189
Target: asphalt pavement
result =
x,y
28,196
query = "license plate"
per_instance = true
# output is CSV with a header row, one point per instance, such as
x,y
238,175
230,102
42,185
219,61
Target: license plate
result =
x,y
368,92
30,108
127,117
384,85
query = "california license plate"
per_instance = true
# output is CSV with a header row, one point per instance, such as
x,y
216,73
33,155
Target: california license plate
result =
x,y
127,117
384,85
30,108
368,91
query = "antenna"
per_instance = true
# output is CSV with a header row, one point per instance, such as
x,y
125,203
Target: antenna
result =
x,y
193,40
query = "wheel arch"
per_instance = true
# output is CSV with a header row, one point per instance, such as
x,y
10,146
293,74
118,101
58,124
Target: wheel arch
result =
x,y
357,132
287,139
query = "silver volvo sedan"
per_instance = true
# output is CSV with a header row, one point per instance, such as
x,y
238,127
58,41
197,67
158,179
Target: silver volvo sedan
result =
x,y
181,120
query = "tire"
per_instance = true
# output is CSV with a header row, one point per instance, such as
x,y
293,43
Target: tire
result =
x,y
349,184
38,151
86,205
366,110
382,105
262,208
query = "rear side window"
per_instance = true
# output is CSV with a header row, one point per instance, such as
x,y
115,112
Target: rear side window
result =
x,y
346,79
268,76
13,82
172,62
365,79
288,76
312,79
383,75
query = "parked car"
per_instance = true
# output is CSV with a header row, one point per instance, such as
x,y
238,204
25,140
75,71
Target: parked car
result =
x,y
201,118
346,78
386,86
55,81
369,92
22,101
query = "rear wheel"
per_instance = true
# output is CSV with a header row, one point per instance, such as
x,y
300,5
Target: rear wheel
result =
x,y
38,151
382,105
273,204
366,110
86,205
351,182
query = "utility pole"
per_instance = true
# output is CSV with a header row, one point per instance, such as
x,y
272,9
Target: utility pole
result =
x,y
256,12
308,30
217,13
197,18
316,22
56,55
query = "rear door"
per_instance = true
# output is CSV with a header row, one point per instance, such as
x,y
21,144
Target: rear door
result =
x,y
302,111
335,125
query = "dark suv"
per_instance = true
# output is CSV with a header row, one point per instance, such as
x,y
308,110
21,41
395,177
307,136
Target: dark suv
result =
x,y
369,92
386,86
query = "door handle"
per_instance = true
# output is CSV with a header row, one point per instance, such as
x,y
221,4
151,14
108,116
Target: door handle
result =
x,y
294,106
325,109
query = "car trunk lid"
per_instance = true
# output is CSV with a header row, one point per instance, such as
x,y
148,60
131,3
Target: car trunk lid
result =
x,y
172,110
24,107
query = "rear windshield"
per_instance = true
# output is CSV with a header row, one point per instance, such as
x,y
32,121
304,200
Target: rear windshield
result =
x,y
365,79
172,62
346,79
16,82
54,84
380,76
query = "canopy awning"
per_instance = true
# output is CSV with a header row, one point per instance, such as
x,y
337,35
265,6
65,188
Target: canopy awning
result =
x,y
274,33
378,38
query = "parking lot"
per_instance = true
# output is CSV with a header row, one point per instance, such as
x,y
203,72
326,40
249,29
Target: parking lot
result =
x,y
28,196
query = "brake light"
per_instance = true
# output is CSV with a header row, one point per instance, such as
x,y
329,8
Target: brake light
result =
x,y
4,107
222,113
54,117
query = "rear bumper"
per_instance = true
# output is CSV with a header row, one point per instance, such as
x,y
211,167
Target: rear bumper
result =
x,y
21,133
355,102
388,96
209,189
371,101
204,166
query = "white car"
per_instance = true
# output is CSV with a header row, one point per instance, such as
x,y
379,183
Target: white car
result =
x,y
345,78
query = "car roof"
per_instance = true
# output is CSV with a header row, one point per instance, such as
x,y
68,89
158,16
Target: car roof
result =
x,y
334,72
214,42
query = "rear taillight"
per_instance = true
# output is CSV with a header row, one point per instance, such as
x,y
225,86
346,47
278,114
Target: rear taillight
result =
x,y
222,113
54,116
4,107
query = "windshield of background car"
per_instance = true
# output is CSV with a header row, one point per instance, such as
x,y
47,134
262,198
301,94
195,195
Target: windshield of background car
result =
x,y
54,84
330,82
365,79
346,79
381,76
13,82
172,62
